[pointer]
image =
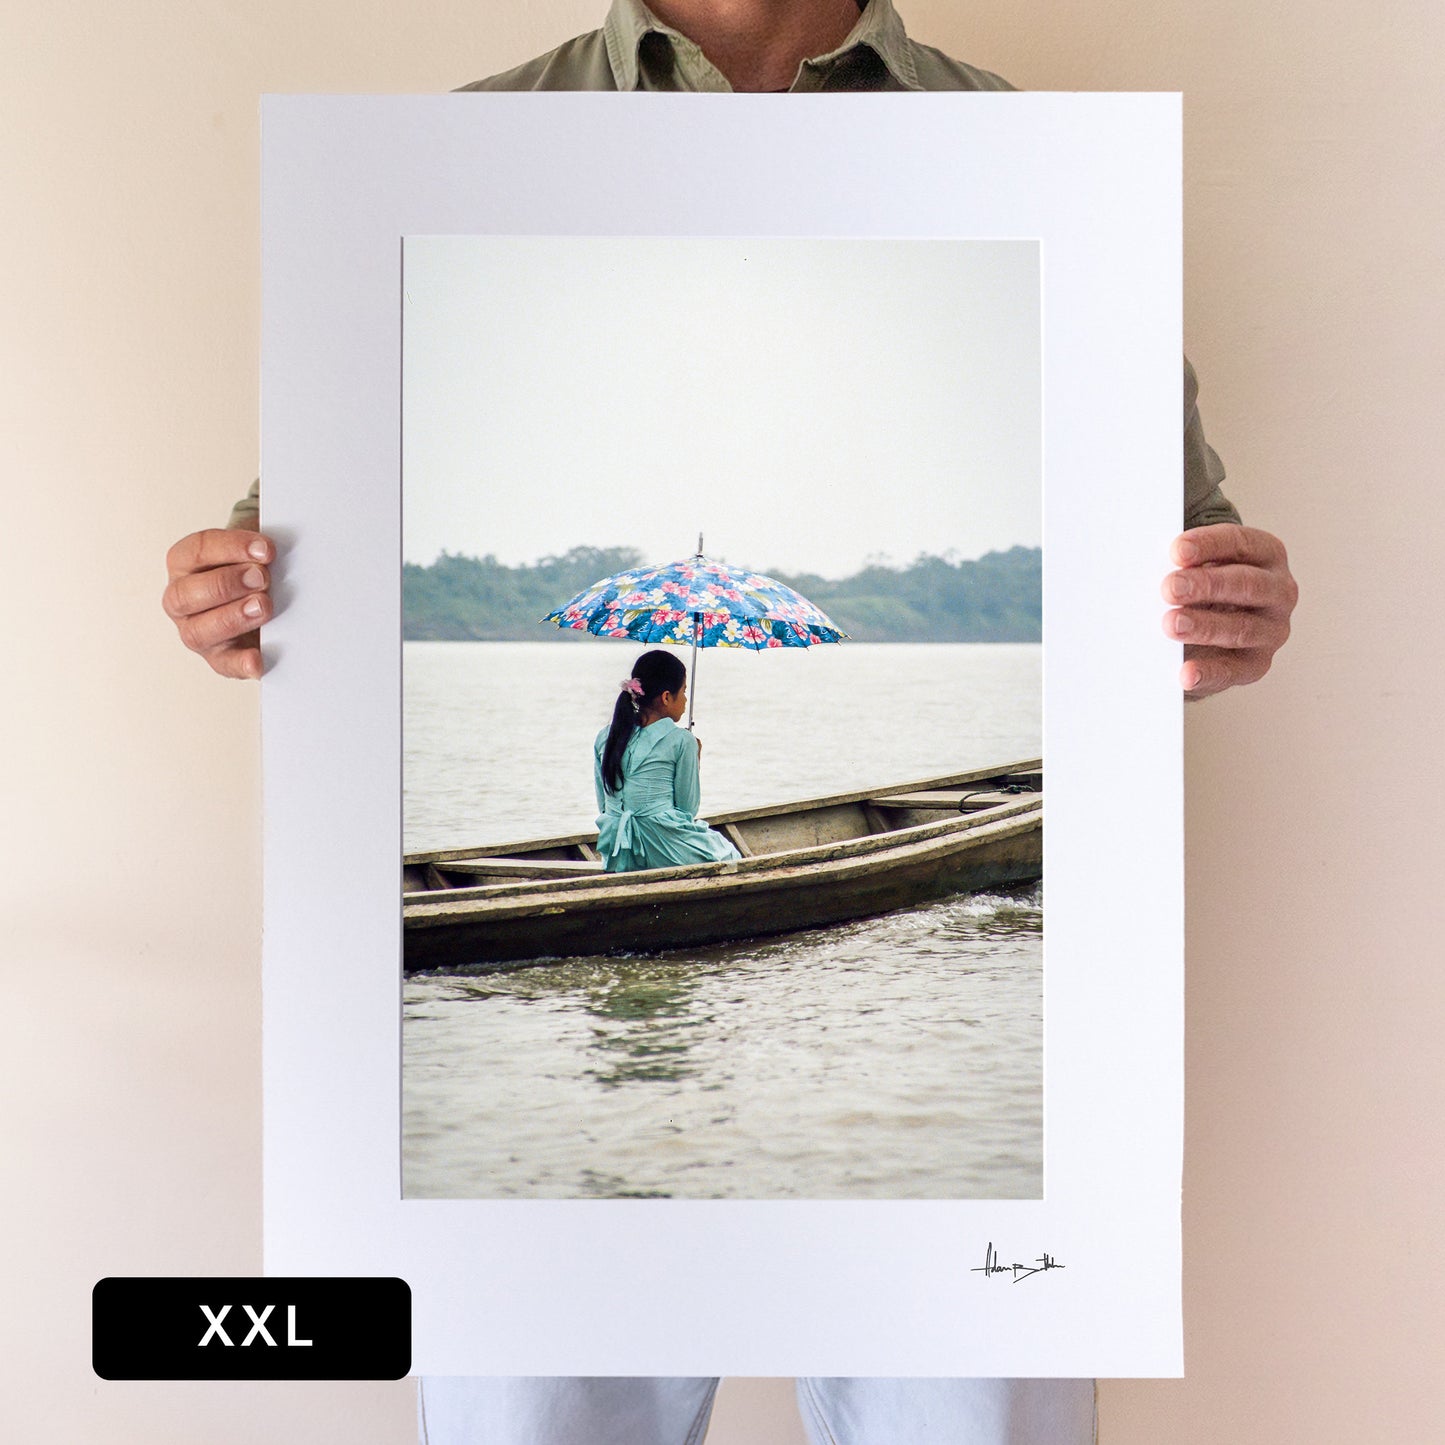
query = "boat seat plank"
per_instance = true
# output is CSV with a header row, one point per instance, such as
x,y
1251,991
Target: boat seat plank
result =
x,y
878,820
522,868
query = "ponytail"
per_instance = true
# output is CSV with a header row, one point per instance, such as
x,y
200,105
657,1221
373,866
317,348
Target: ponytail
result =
x,y
624,724
653,674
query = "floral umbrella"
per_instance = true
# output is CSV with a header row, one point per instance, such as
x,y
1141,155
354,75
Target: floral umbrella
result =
x,y
707,604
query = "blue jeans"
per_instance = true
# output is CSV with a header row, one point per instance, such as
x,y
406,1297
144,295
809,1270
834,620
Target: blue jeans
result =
x,y
674,1410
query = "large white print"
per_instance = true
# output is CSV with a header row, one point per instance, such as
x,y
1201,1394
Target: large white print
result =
x,y
1085,1280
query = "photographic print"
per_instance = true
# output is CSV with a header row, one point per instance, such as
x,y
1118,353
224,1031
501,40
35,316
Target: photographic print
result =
x,y
694,538
778,499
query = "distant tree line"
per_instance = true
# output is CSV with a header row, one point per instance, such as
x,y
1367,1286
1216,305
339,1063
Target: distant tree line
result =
x,y
997,598
482,600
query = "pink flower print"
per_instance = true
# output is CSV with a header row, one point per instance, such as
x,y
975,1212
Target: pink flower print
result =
x,y
753,634
775,642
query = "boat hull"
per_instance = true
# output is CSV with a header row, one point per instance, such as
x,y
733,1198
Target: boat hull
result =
x,y
690,907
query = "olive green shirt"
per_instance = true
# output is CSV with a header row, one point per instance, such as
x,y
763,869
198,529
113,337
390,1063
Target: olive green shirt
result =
x,y
634,50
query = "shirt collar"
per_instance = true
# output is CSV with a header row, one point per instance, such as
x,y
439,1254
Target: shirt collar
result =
x,y
630,22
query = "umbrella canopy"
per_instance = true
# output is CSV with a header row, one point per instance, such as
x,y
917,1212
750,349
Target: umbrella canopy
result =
x,y
708,604
697,602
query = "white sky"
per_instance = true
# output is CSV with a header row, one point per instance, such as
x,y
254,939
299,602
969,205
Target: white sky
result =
x,y
807,404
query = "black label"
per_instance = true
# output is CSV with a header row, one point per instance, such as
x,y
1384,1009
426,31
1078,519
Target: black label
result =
x,y
251,1329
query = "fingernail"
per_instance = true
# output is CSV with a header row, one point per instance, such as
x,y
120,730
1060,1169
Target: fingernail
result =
x,y
253,579
1183,624
258,549
1187,552
252,607
1180,588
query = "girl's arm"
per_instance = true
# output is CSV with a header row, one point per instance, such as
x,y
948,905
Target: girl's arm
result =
x,y
597,780
686,791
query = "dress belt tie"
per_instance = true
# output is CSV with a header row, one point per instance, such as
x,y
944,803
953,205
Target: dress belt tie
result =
x,y
623,838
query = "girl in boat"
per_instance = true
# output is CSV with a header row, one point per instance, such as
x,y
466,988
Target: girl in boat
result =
x,y
646,775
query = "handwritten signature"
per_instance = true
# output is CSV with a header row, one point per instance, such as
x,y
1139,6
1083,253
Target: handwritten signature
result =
x,y
991,1265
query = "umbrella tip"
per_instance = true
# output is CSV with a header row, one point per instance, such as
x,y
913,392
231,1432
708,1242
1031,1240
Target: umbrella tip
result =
x,y
699,544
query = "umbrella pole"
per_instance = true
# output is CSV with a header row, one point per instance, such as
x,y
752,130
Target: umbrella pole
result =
x,y
692,684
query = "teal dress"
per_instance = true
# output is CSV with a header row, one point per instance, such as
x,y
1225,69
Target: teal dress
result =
x,y
652,822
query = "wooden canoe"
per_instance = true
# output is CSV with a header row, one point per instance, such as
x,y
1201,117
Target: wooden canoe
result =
x,y
804,864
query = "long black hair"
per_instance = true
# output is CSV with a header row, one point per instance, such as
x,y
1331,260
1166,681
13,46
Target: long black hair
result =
x,y
658,672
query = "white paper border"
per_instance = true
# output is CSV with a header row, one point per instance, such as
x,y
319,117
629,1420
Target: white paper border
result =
x,y
690,1287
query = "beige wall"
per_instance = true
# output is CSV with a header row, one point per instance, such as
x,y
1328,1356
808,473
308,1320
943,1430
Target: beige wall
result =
x,y
1315,147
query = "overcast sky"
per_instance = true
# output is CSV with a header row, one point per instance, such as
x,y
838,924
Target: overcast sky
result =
x,y
807,404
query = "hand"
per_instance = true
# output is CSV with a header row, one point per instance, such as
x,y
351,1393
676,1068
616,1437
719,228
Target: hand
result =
x,y
217,596
1232,595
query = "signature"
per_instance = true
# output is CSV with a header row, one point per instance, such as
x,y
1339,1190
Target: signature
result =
x,y
991,1265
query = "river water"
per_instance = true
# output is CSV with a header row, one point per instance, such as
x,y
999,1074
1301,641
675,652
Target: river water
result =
x,y
897,1057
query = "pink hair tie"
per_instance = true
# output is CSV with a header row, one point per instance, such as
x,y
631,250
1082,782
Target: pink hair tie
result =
x,y
632,685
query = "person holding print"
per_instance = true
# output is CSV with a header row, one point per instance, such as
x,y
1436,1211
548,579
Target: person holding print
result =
x,y
1229,592
647,775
